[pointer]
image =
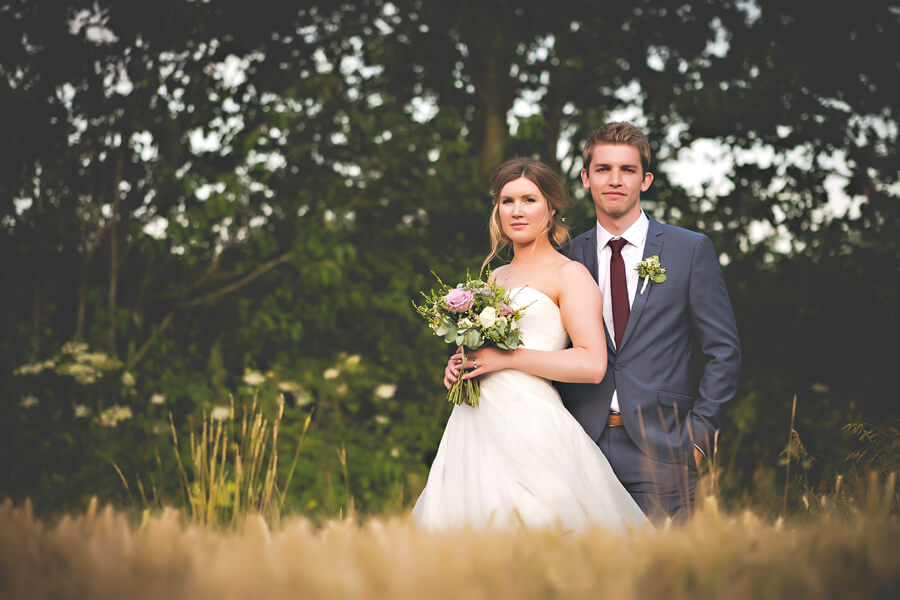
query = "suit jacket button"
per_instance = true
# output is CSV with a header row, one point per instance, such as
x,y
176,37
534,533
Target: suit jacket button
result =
x,y
618,367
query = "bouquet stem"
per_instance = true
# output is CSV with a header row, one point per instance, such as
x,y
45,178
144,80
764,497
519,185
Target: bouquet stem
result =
x,y
464,391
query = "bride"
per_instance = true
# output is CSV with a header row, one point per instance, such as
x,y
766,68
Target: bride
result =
x,y
520,457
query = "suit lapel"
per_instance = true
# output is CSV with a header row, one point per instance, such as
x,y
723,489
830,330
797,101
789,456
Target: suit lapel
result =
x,y
652,246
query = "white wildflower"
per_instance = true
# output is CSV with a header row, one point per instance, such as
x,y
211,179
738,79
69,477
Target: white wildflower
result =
x,y
289,386
127,379
158,399
465,323
81,411
115,413
31,369
93,358
395,452
220,413
331,373
28,401
353,360
74,347
382,419
254,378
83,374
385,391
302,398
341,389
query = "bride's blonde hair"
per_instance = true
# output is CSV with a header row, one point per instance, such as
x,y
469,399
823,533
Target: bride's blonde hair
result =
x,y
551,187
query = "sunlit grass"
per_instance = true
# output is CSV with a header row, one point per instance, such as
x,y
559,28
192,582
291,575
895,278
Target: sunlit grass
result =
x,y
233,470
104,554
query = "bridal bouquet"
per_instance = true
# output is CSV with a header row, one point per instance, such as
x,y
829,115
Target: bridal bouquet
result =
x,y
471,315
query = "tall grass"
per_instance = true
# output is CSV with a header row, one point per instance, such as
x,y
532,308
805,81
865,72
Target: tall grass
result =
x,y
101,554
233,472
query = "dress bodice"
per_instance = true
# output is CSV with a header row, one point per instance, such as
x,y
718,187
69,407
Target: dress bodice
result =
x,y
541,323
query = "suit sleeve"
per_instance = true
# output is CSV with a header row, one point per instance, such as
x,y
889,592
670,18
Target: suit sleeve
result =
x,y
715,332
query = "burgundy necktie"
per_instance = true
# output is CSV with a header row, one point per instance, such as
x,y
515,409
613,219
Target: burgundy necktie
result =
x,y
618,289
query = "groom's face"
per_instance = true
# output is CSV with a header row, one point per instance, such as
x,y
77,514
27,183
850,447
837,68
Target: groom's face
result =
x,y
616,179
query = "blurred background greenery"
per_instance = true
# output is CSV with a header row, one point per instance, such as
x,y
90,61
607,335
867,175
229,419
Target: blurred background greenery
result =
x,y
206,200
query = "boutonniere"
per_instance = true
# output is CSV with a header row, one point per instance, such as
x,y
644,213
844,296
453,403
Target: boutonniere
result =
x,y
651,269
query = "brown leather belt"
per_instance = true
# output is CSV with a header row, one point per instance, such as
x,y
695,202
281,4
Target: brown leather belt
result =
x,y
614,420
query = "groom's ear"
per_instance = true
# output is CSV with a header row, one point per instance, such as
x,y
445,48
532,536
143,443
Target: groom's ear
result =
x,y
648,179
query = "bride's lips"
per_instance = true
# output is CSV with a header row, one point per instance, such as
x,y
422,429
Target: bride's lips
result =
x,y
519,225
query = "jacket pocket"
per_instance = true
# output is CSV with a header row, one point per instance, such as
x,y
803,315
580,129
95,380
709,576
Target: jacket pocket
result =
x,y
681,401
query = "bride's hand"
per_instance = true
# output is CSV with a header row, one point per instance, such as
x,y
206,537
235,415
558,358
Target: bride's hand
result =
x,y
486,360
451,371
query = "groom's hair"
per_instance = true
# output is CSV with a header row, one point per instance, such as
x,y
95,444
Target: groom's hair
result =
x,y
618,133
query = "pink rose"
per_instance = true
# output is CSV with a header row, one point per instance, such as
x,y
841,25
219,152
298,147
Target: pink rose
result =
x,y
458,301
505,311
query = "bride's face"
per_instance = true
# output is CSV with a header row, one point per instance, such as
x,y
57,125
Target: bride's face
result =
x,y
524,211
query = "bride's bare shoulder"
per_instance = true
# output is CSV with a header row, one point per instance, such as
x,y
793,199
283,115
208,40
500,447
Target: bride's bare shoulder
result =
x,y
569,268
498,272
575,277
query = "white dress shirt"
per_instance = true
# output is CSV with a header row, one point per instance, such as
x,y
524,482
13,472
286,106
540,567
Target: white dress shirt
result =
x,y
632,254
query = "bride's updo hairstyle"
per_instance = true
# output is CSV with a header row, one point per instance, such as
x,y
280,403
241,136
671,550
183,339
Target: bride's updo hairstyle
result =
x,y
551,187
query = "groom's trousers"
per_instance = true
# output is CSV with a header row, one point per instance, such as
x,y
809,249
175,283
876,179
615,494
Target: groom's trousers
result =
x,y
662,489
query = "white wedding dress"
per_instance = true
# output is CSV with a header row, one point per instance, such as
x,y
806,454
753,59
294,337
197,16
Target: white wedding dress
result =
x,y
520,457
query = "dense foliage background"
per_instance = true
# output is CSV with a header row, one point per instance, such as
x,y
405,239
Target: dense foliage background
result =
x,y
205,199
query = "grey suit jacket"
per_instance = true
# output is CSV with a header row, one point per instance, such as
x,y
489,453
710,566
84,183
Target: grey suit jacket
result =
x,y
680,358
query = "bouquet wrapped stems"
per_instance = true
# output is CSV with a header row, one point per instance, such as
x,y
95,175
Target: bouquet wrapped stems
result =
x,y
464,391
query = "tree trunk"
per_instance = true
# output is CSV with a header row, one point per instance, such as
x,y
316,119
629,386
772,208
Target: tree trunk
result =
x,y
494,106
80,311
114,255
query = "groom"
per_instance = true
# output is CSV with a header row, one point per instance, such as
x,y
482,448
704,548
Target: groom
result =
x,y
673,348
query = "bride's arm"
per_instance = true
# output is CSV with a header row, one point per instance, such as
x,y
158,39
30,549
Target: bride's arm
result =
x,y
581,305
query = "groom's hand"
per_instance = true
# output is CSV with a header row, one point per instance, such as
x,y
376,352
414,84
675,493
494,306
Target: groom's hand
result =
x,y
698,456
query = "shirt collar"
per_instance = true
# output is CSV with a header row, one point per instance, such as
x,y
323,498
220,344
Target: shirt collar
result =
x,y
635,235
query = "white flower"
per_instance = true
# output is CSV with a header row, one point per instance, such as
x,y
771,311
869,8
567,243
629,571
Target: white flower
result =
x,y
83,374
331,373
128,379
29,401
220,413
302,398
464,323
353,360
341,389
513,325
385,391
395,452
158,399
81,411
382,419
254,378
32,369
74,347
488,316
94,358
115,413
289,386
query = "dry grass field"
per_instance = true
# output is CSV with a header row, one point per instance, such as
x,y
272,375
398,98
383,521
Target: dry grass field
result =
x,y
104,554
